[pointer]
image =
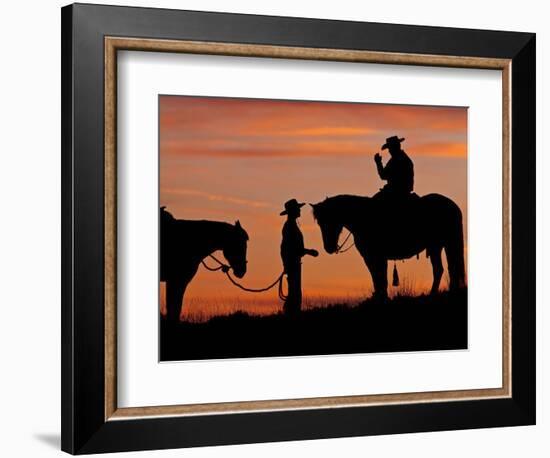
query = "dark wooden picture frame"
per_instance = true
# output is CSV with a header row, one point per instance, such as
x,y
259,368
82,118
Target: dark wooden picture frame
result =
x,y
91,37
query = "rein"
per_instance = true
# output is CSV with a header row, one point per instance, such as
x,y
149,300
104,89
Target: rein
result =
x,y
340,248
226,268
221,266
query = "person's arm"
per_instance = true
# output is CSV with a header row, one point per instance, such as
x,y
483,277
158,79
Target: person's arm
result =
x,y
302,249
311,252
380,166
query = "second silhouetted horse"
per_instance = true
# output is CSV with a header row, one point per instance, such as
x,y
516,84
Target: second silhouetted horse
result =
x,y
385,232
183,246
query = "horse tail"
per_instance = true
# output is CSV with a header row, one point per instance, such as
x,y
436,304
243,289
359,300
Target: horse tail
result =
x,y
454,249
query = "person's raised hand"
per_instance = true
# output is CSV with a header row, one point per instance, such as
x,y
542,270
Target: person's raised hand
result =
x,y
377,158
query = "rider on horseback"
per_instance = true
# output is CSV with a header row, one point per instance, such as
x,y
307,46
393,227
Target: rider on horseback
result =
x,y
397,192
398,172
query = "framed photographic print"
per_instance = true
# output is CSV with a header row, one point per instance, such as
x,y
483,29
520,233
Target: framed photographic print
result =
x,y
276,149
281,228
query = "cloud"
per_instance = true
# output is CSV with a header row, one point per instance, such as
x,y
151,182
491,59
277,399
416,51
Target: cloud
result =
x,y
214,197
205,126
445,149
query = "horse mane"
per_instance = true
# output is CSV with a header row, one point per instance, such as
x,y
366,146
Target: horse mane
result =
x,y
204,225
335,204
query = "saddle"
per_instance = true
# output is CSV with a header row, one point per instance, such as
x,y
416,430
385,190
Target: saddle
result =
x,y
398,200
399,216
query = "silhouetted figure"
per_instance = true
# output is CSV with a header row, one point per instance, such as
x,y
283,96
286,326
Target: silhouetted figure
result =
x,y
398,172
434,223
292,251
184,244
396,201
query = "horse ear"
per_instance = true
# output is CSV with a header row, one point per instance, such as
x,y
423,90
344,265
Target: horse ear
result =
x,y
238,224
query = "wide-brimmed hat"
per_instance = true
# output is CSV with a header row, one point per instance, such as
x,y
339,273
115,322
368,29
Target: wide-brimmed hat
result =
x,y
395,140
290,205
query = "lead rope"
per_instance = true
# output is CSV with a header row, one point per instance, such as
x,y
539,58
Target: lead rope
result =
x,y
225,269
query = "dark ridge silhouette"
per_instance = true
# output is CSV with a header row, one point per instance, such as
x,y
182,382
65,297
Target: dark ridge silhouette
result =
x,y
423,323
183,246
396,228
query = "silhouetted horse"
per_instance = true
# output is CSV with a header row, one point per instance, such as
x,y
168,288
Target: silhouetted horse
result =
x,y
184,244
383,232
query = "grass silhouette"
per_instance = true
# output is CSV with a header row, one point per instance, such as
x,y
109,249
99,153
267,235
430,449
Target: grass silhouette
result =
x,y
403,323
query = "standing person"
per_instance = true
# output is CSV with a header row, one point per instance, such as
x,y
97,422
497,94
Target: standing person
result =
x,y
399,170
292,251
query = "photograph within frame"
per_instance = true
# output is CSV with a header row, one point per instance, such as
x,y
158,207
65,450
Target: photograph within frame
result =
x,y
237,159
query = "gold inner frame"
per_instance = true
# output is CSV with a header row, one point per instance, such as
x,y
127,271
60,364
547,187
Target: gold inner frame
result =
x,y
114,44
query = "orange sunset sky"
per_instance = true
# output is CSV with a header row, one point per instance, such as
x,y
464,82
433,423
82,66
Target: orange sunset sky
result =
x,y
225,159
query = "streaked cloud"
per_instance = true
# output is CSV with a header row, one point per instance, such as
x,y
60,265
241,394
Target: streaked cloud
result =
x,y
199,126
214,197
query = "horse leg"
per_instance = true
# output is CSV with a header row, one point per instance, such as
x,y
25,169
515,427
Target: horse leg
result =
x,y
437,268
454,249
174,299
455,264
378,268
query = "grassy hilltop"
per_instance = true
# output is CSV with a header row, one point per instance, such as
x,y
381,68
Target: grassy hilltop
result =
x,y
404,323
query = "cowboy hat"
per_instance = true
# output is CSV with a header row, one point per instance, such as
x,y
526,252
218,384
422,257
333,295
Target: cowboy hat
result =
x,y
291,204
392,141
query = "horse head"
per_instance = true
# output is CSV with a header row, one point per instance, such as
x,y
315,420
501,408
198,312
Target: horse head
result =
x,y
326,215
235,249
